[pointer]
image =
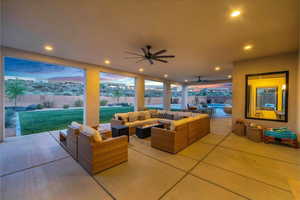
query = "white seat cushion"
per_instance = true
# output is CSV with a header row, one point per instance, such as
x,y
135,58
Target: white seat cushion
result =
x,y
76,125
133,116
88,131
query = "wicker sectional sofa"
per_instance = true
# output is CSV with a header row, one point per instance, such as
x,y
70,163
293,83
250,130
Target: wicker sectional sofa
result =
x,y
181,134
134,119
182,128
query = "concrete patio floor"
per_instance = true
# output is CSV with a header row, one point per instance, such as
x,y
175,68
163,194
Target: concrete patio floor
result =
x,y
219,166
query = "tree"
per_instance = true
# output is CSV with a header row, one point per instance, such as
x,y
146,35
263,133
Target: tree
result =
x,y
117,94
14,89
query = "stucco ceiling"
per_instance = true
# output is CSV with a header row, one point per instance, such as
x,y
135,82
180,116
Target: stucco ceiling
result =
x,y
199,32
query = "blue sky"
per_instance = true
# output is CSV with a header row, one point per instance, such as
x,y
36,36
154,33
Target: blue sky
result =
x,y
34,70
38,70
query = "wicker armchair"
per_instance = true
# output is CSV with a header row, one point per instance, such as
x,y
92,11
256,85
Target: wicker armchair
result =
x,y
69,140
98,156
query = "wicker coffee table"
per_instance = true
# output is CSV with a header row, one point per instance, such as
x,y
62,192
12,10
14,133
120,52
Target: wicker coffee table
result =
x,y
145,131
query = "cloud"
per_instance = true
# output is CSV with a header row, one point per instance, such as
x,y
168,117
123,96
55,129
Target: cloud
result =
x,y
28,68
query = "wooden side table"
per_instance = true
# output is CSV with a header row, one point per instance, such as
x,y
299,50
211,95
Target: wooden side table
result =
x,y
255,134
239,129
120,130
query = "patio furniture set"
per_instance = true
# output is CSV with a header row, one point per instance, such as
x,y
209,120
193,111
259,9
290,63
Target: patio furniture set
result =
x,y
98,150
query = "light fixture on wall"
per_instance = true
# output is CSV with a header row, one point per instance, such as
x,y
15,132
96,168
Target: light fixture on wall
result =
x,y
248,47
217,68
107,62
283,87
186,81
229,76
235,13
48,48
141,69
166,75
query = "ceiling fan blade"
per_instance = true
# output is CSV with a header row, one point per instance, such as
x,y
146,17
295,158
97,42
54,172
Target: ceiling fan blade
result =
x,y
144,50
160,52
170,56
133,57
164,61
136,54
140,60
151,61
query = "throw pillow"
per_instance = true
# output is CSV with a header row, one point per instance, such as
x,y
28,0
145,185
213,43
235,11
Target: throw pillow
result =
x,y
170,116
92,133
76,125
132,116
141,117
147,115
162,115
87,130
97,137
123,117
155,115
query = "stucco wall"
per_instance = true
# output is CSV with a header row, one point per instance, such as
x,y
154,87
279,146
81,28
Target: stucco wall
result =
x,y
1,99
59,101
298,88
283,62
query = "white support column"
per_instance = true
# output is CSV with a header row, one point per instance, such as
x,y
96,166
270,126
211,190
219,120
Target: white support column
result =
x,y
139,93
2,110
298,95
91,97
184,98
167,95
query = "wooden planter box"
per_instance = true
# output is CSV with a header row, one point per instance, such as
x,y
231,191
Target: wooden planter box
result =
x,y
239,129
255,134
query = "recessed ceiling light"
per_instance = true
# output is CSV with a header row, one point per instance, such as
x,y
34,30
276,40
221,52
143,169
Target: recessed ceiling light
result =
x,y
235,13
48,48
217,68
166,75
185,80
229,76
107,62
141,69
248,47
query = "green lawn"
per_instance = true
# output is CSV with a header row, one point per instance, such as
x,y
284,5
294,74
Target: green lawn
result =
x,y
41,121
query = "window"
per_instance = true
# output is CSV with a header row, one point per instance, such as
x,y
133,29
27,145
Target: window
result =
x,y
266,98
176,97
117,95
154,94
212,98
41,96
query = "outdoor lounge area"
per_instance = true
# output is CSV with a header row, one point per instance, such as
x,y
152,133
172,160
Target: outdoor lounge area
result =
x,y
150,100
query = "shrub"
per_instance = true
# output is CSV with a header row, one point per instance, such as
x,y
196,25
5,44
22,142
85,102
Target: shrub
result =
x,y
9,115
48,104
66,106
78,103
39,106
103,102
31,107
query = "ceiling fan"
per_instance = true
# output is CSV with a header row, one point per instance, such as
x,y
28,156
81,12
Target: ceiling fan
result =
x,y
146,54
200,81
